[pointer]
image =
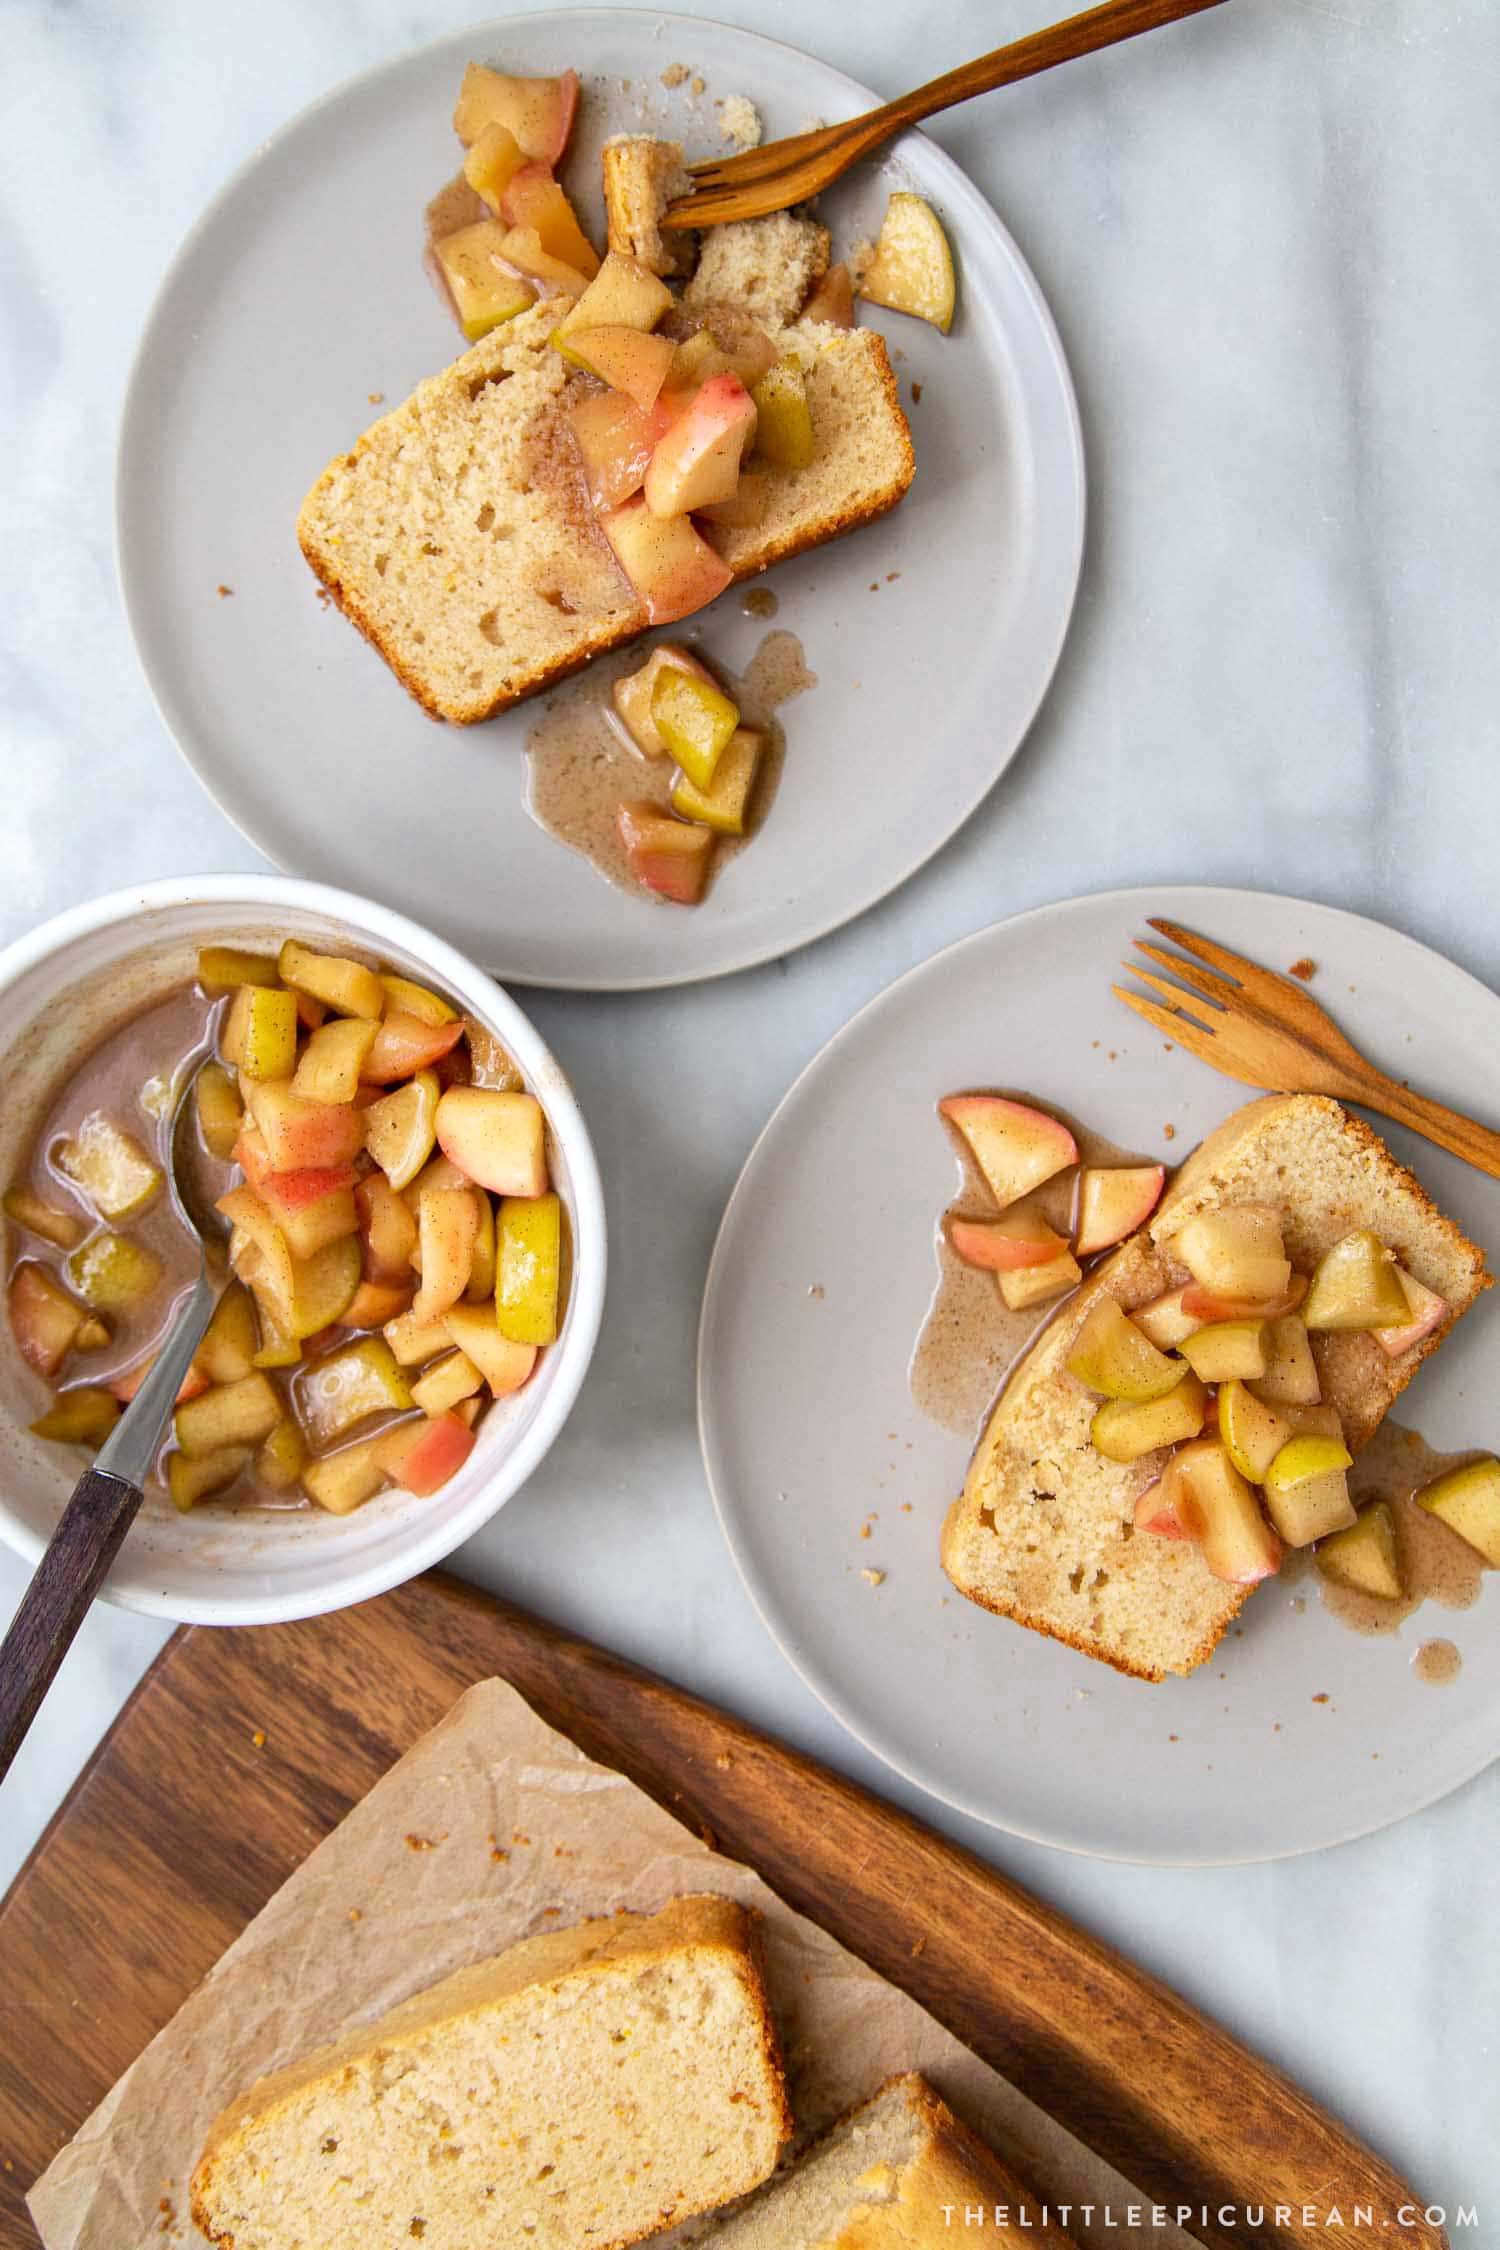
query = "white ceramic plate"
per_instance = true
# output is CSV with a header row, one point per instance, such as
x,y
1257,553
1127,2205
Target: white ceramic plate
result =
x,y
300,293
824,1269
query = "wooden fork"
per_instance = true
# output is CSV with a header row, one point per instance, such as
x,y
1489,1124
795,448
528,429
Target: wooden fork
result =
x,y
787,172
1268,1031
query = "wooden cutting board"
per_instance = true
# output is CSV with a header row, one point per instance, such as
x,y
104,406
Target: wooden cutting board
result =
x,y
241,1749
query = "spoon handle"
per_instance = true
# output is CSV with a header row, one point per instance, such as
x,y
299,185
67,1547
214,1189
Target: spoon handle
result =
x,y
88,1536
56,1602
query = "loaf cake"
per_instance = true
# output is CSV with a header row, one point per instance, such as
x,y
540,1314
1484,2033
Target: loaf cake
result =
x,y
883,2178
1043,1531
582,2090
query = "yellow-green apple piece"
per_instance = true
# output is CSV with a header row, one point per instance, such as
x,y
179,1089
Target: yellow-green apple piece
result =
x,y
1236,1252
93,1335
1127,1429
445,1383
784,434
697,462
84,1416
528,1263
388,1227
670,857
481,1283
39,1218
345,986
259,1033
622,294
1016,1147
405,997
1228,1351
112,1273
1307,1489
220,1111
232,1338
539,112
109,1168
1365,1557
190,1479
329,1066
44,1319
633,694
484,290
532,198
230,1414
1022,1287
696,721
912,269
1110,1355
343,1389
723,806
504,1364
1238,1544
672,569
343,1481
1467,1500
1165,1320
222,967
280,1460
401,1128
1291,1376
414,1341
1357,1286
1253,1432
497,1140
1428,1312
1113,1201
324,1285
258,1249
491,162
447,1224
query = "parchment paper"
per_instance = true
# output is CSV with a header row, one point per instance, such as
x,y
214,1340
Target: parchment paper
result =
x,y
492,1827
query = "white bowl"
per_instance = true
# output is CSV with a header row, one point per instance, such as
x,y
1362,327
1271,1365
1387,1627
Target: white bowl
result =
x,y
62,989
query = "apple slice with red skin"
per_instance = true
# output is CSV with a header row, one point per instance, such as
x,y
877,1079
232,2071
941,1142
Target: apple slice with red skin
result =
x,y
300,1135
697,463
532,198
1016,1147
1019,1237
629,359
194,1383
44,1319
1218,1504
1159,1510
404,1044
1428,1311
633,693
670,857
1206,1305
310,1220
671,568
1113,1201
1166,1320
496,1139
615,443
421,1457
539,111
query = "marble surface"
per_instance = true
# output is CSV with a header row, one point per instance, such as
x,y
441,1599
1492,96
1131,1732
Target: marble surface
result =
x,y
1270,242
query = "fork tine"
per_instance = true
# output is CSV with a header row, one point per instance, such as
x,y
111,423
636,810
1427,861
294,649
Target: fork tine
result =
x,y
1173,994
1181,1030
1202,980
1248,973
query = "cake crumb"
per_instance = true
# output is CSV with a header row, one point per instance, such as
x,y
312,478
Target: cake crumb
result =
x,y
873,1577
1305,969
356,1914
817,1290
675,74
416,1843
499,1854
258,1739
518,1836
375,398
223,592
916,394
699,87
918,1949
1322,1699
723,1761
1169,1132
739,121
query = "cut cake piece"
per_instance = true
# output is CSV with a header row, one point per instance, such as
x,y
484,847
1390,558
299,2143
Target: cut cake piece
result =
x,y
642,175
768,267
880,2180
579,2092
1043,1531
457,534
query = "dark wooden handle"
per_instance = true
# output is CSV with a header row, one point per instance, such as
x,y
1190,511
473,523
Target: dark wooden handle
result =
x,y
61,1592
1175,2103
1104,26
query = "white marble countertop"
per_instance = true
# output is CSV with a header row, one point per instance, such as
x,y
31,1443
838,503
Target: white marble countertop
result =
x,y
1271,244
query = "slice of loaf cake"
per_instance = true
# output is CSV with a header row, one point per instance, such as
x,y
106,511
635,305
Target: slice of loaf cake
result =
x,y
895,2174
642,175
582,2090
457,534
1043,1531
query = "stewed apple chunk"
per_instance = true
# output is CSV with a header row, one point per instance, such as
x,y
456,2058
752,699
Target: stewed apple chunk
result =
x,y
1291,1373
422,1456
84,1416
523,248
911,270
630,360
345,986
312,1208
634,694
404,1044
445,1383
505,1364
484,289
1166,1320
388,1229
447,1224
401,1128
1307,1489
538,112
343,1481
329,1067
1427,1309
532,198
1128,1429
111,1273
615,441
1113,1201
1253,1432
497,1140
1365,1557
672,569
492,162
302,1135
240,1413
1357,1286
335,1394
1467,1500
222,967
528,1256
193,1478
220,1112
1016,1147
1236,1252
1112,1356
1228,1350
696,722
1019,1238
259,1037
231,1340
1238,1544
670,857
623,294
1038,1285
697,462
784,434
109,1168
29,1211
405,997
280,1458
414,1342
